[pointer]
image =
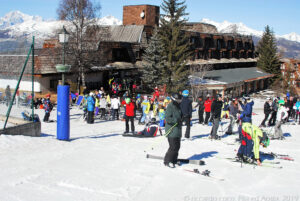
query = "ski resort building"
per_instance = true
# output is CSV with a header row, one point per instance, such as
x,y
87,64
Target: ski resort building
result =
x,y
120,55
290,71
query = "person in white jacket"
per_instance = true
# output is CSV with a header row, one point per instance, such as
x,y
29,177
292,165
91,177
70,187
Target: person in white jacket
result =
x,y
103,105
281,115
115,104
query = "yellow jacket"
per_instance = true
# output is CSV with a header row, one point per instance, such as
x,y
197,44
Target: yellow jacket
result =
x,y
255,133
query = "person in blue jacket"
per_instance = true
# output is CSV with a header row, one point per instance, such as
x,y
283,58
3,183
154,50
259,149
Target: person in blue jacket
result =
x,y
90,108
246,115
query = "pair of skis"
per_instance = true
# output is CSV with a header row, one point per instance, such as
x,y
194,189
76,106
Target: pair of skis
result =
x,y
269,164
180,160
205,173
278,156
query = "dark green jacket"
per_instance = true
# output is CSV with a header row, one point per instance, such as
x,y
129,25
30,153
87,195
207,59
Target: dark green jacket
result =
x,y
173,116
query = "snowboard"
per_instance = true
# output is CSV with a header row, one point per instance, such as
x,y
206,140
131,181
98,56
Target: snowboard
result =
x,y
195,162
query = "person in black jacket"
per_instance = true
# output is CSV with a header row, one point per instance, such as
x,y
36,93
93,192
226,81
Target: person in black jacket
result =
x,y
186,109
216,109
267,111
200,103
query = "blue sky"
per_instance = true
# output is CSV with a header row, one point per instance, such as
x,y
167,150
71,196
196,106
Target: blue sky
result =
x,y
282,15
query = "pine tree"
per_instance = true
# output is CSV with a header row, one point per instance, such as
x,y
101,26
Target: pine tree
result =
x,y
267,50
154,62
176,44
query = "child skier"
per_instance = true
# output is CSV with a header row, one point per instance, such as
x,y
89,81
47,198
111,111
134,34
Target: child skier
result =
x,y
145,108
90,108
252,137
162,116
47,107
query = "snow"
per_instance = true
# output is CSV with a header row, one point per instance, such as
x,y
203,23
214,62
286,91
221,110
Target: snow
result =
x,y
240,28
292,37
99,164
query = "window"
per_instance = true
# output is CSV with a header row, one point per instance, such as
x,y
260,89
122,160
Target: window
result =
x,y
53,84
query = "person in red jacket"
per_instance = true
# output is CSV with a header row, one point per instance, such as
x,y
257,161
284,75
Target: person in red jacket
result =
x,y
207,108
155,94
129,115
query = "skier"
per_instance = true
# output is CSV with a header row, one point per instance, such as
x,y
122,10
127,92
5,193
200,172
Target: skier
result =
x,y
145,108
162,115
151,129
186,110
274,112
267,111
216,109
166,102
233,111
225,109
173,130
90,108
252,137
97,104
129,115
115,105
103,104
246,115
200,104
47,107
207,108
281,115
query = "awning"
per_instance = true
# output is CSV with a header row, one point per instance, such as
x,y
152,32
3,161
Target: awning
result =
x,y
227,77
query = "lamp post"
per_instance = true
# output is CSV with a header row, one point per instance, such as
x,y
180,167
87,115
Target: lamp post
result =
x,y
63,111
63,37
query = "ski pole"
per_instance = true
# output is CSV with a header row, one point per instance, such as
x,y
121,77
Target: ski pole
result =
x,y
157,142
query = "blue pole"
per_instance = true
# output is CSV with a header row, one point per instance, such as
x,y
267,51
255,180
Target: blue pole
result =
x,y
63,112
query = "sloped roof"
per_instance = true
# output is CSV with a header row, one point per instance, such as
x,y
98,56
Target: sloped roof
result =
x,y
235,75
128,33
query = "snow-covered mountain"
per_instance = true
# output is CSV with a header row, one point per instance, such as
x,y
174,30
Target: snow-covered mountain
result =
x,y
229,27
17,24
292,37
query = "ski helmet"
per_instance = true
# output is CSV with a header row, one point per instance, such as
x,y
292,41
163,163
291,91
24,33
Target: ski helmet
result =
x,y
127,100
265,140
281,102
185,93
176,97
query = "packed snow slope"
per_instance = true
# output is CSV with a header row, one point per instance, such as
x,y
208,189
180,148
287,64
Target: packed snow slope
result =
x,y
98,163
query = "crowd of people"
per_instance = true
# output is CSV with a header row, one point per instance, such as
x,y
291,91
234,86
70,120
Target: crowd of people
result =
x,y
176,110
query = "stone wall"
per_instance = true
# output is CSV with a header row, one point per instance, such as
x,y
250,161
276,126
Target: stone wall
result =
x,y
21,127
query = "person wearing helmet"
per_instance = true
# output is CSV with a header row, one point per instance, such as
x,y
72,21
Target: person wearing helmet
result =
x,y
129,115
90,108
282,114
173,130
167,100
252,137
151,129
186,110
216,109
